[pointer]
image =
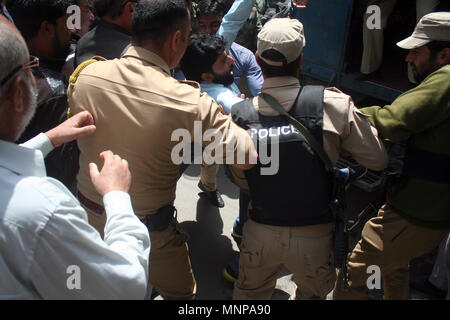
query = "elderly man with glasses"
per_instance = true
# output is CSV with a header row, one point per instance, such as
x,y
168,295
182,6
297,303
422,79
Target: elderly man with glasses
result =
x,y
43,25
49,251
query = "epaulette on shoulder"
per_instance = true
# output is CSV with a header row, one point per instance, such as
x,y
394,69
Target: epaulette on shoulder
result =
x,y
74,77
194,84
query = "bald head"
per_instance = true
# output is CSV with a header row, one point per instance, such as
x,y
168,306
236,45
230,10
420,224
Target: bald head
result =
x,y
3,19
8,26
13,51
17,90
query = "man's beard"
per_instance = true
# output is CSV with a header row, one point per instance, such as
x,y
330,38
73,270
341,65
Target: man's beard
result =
x,y
60,52
421,75
32,105
225,79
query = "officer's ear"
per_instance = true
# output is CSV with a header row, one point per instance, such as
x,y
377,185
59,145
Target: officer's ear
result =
x,y
207,77
176,40
46,31
129,8
443,57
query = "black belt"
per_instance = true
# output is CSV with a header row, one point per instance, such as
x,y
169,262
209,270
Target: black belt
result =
x,y
89,204
156,222
159,221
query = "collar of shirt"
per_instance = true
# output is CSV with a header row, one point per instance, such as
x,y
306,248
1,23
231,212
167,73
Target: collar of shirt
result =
x,y
280,82
21,160
284,89
147,57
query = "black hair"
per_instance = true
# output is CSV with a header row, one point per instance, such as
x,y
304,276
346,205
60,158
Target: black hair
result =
x,y
436,47
90,3
28,15
218,7
109,8
288,69
202,52
154,20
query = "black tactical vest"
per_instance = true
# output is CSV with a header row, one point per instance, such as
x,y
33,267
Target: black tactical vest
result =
x,y
300,192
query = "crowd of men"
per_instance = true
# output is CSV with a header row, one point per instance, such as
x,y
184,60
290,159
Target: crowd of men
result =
x,y
112,95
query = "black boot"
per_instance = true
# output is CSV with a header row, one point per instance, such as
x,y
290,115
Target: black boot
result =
x,y
214,196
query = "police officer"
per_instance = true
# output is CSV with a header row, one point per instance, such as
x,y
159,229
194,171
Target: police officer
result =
x,y
111,35
290,223
416,216
137,107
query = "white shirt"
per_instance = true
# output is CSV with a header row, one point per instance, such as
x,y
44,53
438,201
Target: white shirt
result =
x,y
48,249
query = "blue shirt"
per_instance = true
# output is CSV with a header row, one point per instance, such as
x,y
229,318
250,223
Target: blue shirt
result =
x,y
245,66
226,96
232,22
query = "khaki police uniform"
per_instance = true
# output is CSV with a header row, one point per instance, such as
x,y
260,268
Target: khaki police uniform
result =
x,y
137,106
304,250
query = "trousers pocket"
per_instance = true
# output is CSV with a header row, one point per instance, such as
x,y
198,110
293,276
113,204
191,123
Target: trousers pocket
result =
x,y
321,274
251,252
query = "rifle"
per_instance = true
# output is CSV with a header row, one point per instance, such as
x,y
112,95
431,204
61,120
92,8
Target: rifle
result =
x,y
367,187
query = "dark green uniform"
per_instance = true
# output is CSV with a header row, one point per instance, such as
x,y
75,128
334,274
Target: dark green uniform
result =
x,y
423,115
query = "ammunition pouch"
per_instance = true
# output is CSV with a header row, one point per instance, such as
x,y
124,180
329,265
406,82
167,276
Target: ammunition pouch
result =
x,y
394,170
426,165
160,220
406,161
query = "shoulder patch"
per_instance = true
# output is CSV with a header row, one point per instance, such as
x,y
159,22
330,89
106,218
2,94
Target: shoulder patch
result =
x,y
74,77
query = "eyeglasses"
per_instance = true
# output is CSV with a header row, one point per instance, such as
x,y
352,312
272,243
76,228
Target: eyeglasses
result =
x,y
33,63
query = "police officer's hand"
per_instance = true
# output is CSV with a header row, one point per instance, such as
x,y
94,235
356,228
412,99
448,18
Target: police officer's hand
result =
x,y
115,175
79,125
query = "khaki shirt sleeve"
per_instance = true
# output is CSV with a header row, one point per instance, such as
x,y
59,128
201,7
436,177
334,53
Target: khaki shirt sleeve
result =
x,y
356,136
222,139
